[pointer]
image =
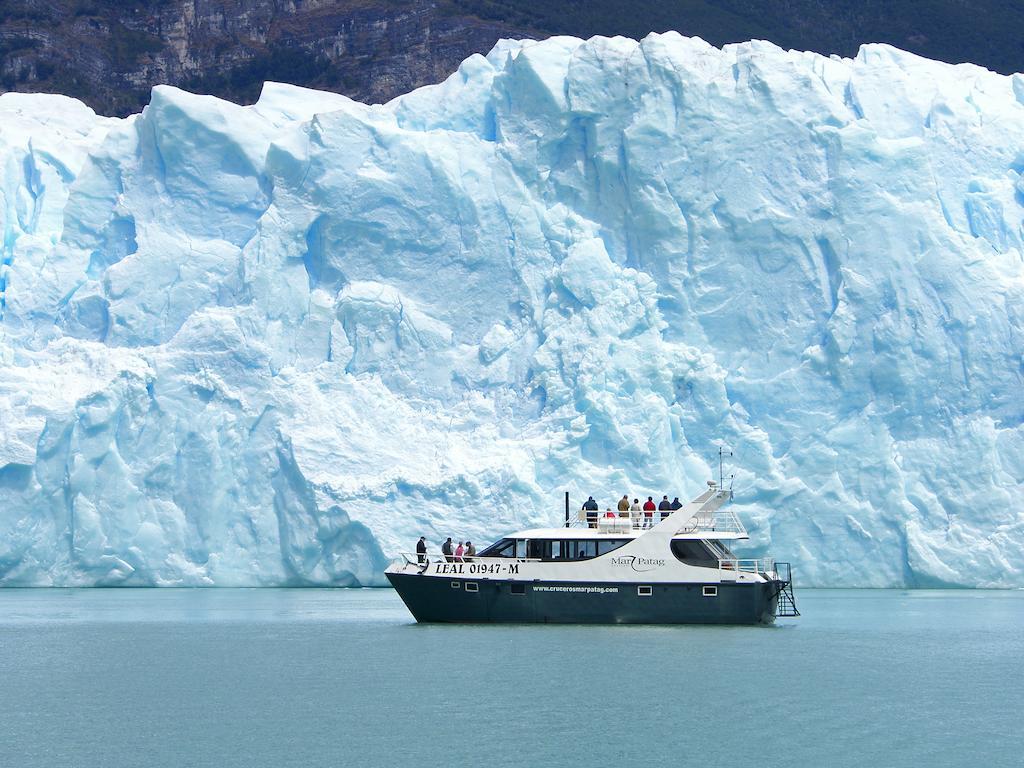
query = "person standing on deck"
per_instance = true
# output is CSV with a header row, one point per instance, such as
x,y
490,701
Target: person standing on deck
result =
x,y
624,503
649,511
664,506
421,549
459,552
446,549
470,551
635,511
676,504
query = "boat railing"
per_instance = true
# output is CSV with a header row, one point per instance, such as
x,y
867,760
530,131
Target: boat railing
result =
x,y
609,521
721,521
413,558
762,565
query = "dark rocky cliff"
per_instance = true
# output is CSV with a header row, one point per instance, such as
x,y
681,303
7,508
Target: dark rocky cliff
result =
x,y
109,53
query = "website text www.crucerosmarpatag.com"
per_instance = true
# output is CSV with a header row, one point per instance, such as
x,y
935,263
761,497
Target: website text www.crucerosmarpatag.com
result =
x,y
598,590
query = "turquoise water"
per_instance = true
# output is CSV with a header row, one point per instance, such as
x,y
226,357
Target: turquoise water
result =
x,y
343,678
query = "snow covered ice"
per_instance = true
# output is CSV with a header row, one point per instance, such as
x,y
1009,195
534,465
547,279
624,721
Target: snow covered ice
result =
x,y
275,344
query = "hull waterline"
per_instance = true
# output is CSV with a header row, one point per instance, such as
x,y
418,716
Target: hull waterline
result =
x,y
440,599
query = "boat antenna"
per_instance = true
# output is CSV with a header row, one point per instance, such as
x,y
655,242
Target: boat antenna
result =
x,y
722,453
566,509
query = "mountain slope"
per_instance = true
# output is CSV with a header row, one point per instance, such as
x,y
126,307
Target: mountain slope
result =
x,y
109,54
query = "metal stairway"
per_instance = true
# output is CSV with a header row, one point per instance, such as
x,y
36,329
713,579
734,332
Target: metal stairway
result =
x,y
787,602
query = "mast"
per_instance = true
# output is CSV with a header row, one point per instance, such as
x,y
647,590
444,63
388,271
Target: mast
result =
x,y
722,453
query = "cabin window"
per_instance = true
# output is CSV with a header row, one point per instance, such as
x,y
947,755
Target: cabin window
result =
x,y
583,550
604,546
456,584
645,591
574,549
546,549
503,548
518,589
694,552
566,550
472,586
710,591
718,549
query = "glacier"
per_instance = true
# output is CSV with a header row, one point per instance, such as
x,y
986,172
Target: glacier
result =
x,y
274,344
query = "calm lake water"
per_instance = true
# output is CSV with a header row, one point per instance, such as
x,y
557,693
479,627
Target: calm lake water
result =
x,y
344,678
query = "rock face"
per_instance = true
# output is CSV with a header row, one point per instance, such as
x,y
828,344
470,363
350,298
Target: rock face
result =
x,y
109,53
275,344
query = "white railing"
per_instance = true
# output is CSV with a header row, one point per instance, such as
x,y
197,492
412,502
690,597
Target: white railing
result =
x,y
410,558
617,522
722,521
765,565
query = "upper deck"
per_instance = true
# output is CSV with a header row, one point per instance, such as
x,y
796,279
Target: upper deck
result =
x,y
720,524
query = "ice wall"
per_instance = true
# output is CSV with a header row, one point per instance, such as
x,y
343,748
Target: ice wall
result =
x,y
275,344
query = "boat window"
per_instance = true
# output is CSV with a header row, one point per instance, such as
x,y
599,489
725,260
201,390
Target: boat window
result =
x,y
577,549
644,591
456,585
604,546
518,589
718,548
503,548
694,552
710,591
582,550
472,586
546,549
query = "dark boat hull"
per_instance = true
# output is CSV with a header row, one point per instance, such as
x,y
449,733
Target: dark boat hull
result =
x,y
440,599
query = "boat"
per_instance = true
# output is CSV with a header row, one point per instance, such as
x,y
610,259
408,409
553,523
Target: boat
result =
x,y
675,567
